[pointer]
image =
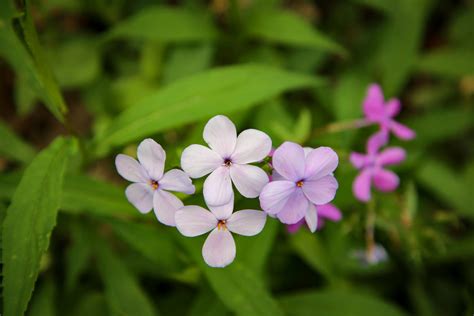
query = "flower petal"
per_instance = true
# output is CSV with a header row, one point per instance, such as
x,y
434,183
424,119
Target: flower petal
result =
x,y
307,150
358,160
197,161
294,209
288,160
219,248
275,195
322,190
223,211
247,222
177,180
141,196
130,169
402,131
385,180
320,162
329,211
152,157
194,220
293,228
311,217
252,146
373,103
165,206
218,187
361,185
392,107
376,141
391,156
249,180
221,136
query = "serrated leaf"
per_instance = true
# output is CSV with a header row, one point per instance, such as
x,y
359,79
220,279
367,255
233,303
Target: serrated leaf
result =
x,y
11,146
30,219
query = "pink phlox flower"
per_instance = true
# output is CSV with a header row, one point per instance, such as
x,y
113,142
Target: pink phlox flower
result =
x,y
324,212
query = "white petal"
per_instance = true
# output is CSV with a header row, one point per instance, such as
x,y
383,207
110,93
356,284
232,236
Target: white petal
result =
x,y
194,220
307,150
247,222
249,180
221,135
311,217
197,161
219,248
223,211
320,162
165,206
218,187
130,169
177,180
141,196
152,156
252,146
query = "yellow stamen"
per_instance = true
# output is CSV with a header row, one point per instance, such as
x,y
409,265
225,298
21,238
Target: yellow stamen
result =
x,y
299,184
154,184
221,225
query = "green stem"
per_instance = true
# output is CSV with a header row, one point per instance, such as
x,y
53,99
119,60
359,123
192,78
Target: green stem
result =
x,y
340,127
369,228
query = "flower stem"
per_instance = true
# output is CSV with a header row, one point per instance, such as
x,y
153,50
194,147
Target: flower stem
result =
x,y
340,127
369,229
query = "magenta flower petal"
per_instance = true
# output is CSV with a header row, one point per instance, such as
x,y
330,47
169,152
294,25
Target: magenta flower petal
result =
x,y
249,180
275,195
361,185
152,157
321,191
358,160
320,162
294,208
293,228
329,211
219,248
289,161
194,220
391,156
376,141
165,206
392,107
373,103
252,146
197,161
311,218
223,211
402,131
218,187
178,181
385,180
220,134
130,169
247,222
141,196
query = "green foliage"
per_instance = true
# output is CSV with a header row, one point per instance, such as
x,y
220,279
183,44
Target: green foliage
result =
x,y
11,146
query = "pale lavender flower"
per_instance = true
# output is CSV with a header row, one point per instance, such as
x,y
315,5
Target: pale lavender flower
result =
x,y
375,255
219,248
323,212
302,182
227,161
151,186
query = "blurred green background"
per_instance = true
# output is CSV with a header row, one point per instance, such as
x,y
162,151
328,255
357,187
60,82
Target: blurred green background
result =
x,y
81,81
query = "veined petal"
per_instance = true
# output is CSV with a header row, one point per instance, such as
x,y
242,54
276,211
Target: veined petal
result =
x,y
322,190
320,162
220,135
311,217
223,211
373,104
141,196
294,209
197,161
152,157
289,161
385,180
391,156
252,146
219,248
177,180
249,180
247,222
130,169
194,220
361,185
275,194
165,206
218,187
402,131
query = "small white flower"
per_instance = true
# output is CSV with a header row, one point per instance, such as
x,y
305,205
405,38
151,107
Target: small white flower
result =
x,y
228,160
151,186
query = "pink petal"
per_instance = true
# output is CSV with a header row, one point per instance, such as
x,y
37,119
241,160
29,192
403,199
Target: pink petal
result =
x,y
294,209
385,180
247,222
219,248
373,103
293,228
376,141
402,131
392,107
288,160
358,160
320,162
249,180
197,161
391,156
218,187
361,185
276,176
221,136
275,195
178,181
194,220
329,211
252,146
141,196
311,217
165,206
130,169
152,157
322,190
223,211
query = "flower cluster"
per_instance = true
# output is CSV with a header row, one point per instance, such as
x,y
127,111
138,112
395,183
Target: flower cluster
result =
x,y
301,185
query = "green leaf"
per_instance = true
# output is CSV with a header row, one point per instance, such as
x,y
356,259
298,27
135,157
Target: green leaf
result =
x,y
166,25
284,27
219,91
123,293
337,303
78,254
448,62
30,219
11,146
91,304
206,305
43,303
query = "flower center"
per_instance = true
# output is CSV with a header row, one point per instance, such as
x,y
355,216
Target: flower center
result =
x,y
154,184
227,162
299,184
221,224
